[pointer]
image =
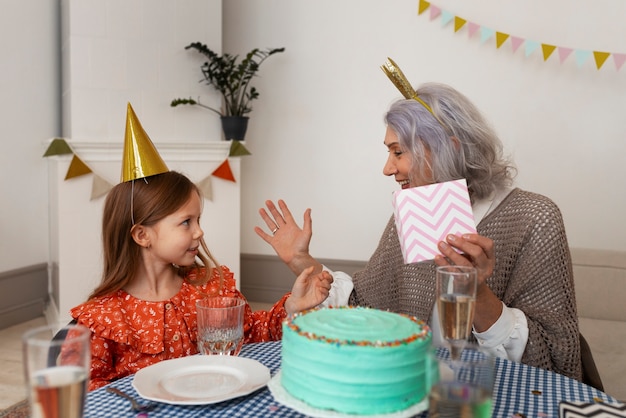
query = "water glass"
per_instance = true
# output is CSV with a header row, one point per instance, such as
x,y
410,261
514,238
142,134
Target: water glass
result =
x,y
465,386
220,325
57,370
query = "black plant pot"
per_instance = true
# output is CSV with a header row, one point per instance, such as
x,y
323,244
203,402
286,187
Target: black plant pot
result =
x,y
234,127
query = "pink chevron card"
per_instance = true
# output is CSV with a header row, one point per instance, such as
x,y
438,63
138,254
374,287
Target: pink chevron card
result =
x,y
425,215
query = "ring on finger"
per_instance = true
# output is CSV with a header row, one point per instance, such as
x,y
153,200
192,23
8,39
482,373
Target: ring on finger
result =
x,y
274,230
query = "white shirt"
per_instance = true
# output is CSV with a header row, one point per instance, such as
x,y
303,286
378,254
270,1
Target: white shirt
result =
x,y
506,338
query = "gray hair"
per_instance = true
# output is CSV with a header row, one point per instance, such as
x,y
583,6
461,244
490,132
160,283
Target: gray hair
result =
x,y
456,123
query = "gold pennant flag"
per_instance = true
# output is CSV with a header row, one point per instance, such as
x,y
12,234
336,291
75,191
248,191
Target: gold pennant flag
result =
x,y
423,6
99,187
547,50
237,149
206,188
501,38
58,146
77,168
600,58
141,159
459,22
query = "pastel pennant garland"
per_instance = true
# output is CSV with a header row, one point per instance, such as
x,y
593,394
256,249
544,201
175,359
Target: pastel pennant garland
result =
x,y
547,49
100,186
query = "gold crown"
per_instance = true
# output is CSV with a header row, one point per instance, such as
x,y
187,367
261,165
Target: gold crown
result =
x,y
140,159
397,77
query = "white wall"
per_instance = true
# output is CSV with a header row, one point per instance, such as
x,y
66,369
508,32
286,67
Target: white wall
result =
x,y
118,51
316,132
30,109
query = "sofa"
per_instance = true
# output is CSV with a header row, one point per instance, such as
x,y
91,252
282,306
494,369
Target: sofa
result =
x,y
600,280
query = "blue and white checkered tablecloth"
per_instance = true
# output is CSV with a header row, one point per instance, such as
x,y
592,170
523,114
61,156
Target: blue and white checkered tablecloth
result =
x,y
520,391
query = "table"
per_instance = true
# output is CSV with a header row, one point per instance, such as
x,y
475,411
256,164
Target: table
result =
x,y
518,389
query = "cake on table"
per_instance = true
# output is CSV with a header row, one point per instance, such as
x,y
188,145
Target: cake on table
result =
x,y
356,360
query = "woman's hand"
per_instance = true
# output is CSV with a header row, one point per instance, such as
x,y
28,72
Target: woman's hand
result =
x,y
290,242
308,291
476,251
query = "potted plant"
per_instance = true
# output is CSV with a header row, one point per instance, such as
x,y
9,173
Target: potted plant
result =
x,y
232,80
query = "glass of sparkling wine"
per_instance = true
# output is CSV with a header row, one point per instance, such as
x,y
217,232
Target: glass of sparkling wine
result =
x,y
57,370
220,325
465,386
456,297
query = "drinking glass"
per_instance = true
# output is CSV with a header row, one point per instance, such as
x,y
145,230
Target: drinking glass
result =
x,y
465,386
456,297
220,325
57,370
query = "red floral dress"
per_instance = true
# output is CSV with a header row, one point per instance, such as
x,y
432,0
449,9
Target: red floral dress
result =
x,y
129,334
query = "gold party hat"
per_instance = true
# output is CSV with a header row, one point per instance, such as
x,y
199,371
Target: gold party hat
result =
x,y
140,159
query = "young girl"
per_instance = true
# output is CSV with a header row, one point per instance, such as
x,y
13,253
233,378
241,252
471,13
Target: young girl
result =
x,y
144,309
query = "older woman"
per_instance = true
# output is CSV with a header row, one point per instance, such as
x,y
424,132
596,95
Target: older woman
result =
x,y
525,304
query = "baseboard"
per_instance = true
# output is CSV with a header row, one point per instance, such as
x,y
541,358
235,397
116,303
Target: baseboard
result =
x,y
266,278
23,294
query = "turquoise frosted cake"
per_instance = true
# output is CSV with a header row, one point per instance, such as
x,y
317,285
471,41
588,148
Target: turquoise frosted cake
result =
x,y
356,360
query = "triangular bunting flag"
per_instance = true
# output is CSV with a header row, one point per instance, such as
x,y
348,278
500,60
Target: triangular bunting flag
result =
x,y
485,34
58,146
531,46
516,42
224,171
600,58
77,168
423,5
459,23
472,28
619,60
564,53
206,187
581,57
501,38
99,187
446,17
547,50
434,11
237,149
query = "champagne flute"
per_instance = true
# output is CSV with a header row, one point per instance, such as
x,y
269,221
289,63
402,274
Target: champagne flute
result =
x,y
456,297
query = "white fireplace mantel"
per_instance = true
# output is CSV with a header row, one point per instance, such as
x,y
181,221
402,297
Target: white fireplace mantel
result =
x,y
75,260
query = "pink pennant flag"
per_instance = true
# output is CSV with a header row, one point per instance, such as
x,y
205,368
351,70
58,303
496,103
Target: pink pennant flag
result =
x,y
619,60
516,42
472,28
564,53
425,215
434,11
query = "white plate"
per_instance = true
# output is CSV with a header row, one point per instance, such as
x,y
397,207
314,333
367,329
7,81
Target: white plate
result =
x,y
200,379
282,396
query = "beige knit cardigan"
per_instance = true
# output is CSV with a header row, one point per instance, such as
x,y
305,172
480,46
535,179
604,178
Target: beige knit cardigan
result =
x,y
533,273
